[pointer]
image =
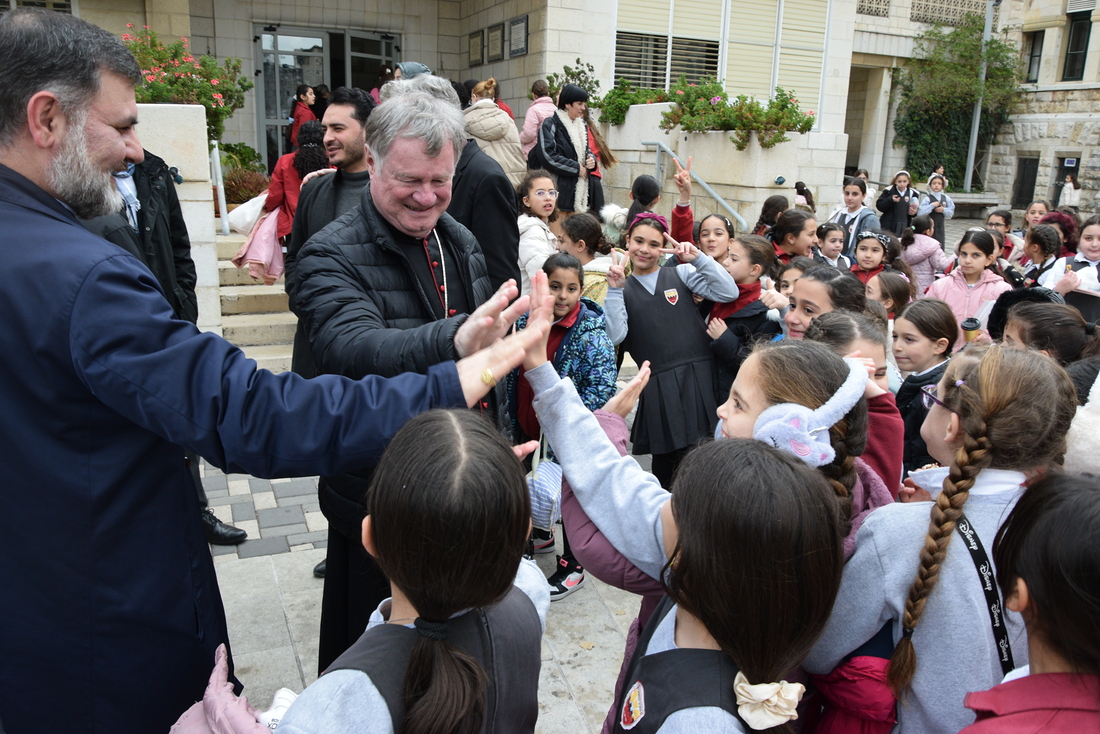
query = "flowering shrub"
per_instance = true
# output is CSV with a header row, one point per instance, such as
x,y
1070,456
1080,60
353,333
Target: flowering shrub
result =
x,y
705,106
172,74
614,105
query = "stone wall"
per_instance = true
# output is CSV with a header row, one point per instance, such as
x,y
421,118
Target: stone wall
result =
x,y
743,178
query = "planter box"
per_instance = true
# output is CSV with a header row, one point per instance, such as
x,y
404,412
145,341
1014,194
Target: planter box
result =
x,y
718,161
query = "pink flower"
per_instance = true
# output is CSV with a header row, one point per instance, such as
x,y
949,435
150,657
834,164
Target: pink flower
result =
x,y
150,78
715,100
679,91
810,114
127,37
215,95
197,66
215,82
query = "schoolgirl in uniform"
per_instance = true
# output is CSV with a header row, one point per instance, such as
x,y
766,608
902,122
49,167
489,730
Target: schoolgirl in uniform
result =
x,y
652,315
853,216
923,254
1041,247
457,647
1057,330
972,288
713,655
997,418
938,206
794,235
830,246
1047,570
898,203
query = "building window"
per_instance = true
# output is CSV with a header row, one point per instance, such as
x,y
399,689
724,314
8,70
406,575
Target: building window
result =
x,y
1077,44
643,60
1034,56
61,7
1023,192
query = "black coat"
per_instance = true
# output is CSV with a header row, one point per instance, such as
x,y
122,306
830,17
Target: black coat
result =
x,y
744,328
483,201
895,214
161,242
912,414
555,152
316,210
365,313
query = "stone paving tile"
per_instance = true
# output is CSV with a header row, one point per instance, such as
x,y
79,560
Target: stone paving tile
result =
x,y
231,499
243,511
263,547
298,539
276,516
216,493
258,485
214,482
294,488
298,528
297,499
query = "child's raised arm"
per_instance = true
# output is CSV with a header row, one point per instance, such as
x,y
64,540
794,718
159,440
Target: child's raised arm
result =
x,y
702,274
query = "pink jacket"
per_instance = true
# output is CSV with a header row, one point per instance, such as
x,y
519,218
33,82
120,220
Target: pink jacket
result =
x,y
926,258
964,301
539,110
1050,702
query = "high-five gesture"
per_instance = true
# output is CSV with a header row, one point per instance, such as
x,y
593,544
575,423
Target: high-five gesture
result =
x,y
684,251
616,274
543,317
683,181
491,320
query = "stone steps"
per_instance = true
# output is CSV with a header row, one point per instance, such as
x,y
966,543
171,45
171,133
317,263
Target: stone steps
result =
x,y
255,316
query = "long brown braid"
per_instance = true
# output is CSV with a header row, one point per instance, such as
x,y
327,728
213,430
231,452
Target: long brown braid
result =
x,y
1003,400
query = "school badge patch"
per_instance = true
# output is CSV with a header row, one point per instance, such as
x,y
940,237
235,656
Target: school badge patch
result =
x,y
634,705
672,296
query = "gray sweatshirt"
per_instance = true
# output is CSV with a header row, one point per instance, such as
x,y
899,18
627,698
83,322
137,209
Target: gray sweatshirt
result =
x,y
625,502
956,650
705,277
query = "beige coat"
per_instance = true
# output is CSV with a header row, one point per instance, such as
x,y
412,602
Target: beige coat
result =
x,y
496,134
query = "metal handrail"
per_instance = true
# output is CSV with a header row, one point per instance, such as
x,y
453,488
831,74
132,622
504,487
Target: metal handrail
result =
x,y
664,149
219,183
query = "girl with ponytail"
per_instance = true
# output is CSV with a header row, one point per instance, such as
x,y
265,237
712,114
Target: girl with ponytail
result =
x,y
450,535
997,420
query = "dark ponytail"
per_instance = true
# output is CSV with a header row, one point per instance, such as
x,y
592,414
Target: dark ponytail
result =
x,y
1059,330
646,190
471,508
920,225
586,228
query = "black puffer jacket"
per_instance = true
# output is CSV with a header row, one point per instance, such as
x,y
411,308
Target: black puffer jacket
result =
x,y
366,314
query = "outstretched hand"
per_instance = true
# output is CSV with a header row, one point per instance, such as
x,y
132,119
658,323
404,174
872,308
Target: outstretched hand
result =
x,y
624,401
686,252
491,320
483,369
683,180
543,315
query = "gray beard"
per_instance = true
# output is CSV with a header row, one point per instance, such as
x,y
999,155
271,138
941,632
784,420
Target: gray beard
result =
x,y
75,180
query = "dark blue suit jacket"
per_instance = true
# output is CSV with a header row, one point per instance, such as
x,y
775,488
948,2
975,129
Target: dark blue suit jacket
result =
x,y
111,610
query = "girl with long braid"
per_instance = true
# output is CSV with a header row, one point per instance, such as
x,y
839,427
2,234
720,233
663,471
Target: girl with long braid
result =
x,y
997,421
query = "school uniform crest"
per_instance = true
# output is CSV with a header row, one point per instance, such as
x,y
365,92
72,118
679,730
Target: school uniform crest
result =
x,y
672,296
634,705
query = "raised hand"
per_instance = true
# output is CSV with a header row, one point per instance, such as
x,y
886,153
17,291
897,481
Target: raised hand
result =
x,y
481,371
683,180
684,251
491,320
542,314
716,328
616,274
623,402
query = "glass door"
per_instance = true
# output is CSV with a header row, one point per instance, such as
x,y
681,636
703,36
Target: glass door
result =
x,y
290,57
366,52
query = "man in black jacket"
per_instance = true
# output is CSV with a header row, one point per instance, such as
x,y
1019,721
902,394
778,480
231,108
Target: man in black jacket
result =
x,y
151,227
383,290
329,197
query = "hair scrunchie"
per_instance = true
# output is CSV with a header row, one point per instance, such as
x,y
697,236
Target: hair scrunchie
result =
x,y
432,630
767,705
641,216
1090,328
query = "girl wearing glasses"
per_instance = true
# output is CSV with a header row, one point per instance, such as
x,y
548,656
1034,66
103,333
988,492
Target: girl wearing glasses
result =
x,y
537,201
997,421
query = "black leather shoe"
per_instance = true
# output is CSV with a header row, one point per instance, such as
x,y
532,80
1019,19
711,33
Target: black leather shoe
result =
x,y
220,533
319,570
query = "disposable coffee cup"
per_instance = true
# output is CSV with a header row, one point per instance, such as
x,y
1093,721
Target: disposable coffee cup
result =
x,y
970,328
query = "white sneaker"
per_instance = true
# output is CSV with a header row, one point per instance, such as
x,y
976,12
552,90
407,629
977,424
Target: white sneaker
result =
x,y
283,698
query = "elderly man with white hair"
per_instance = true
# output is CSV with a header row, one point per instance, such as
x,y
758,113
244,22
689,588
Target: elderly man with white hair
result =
x,y
386,289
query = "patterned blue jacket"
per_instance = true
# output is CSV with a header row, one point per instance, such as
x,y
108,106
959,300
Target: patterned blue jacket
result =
x,y
586,356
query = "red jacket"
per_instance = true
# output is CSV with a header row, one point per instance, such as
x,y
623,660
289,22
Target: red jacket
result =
x,y
506,108
866,275
302,115
885,440
853,699
683,223
1049,702
283,191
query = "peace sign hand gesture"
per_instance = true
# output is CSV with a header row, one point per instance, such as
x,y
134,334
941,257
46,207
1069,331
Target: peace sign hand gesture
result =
x,y
684,251
683,180
616,274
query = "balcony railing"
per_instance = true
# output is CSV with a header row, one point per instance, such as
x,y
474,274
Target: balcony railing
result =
x,y
946,12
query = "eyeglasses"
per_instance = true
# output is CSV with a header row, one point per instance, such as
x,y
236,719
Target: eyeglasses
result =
x,y
552,193
928,397
995,225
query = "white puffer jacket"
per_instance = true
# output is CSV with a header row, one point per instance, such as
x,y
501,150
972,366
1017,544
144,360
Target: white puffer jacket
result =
x,y
536,243
496,134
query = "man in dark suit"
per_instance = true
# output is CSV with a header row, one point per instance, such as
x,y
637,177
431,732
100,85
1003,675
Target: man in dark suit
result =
x,y
112,613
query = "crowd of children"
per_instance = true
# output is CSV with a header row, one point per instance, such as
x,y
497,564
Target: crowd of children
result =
x,y
862,416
